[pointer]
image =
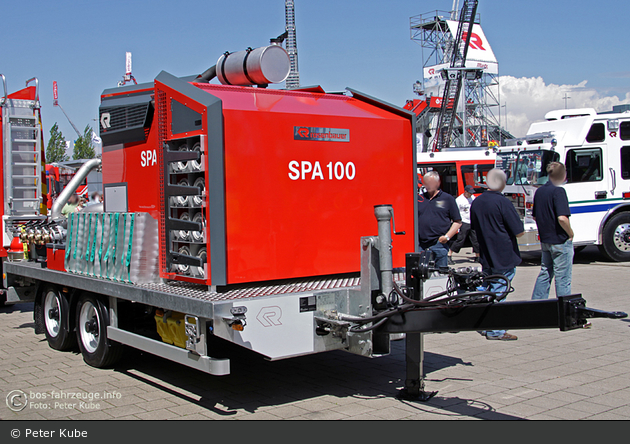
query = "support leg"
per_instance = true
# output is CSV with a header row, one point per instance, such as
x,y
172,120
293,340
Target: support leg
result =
x,y
414,381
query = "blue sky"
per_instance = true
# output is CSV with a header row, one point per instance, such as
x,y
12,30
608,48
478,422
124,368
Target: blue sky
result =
x,y
360,44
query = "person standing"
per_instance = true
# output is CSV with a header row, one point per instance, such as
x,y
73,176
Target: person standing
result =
x,y
71,206
464,201
551,212
438,218
497,224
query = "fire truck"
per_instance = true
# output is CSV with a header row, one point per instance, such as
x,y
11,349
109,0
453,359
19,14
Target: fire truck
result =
x,y
458,167
57,177
595,148
282,221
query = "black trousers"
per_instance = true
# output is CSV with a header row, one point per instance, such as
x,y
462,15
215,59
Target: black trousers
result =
x,y
464,232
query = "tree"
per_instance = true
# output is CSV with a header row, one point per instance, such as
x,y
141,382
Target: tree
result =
x,y
56,149
83,147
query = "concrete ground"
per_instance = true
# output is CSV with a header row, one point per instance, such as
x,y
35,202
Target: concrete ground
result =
x,y
544,375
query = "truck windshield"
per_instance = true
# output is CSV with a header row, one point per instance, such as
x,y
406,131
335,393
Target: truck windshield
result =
x,y
526,167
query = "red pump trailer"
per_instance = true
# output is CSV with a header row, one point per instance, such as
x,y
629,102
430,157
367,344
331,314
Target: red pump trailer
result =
x,y
247,215
290,177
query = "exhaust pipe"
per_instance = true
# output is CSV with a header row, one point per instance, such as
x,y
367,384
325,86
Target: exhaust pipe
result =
x,y
383,215
69,190
207,75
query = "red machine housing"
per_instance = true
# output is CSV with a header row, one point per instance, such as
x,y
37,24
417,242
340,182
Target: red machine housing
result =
x,y
291,177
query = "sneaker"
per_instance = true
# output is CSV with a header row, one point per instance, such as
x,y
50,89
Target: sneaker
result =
x,y
504,337
450,261
587,325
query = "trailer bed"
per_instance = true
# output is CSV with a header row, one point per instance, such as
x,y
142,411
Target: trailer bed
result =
x,y
182,296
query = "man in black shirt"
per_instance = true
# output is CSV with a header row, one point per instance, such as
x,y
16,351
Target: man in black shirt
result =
x,y
497,224
551,212
438,218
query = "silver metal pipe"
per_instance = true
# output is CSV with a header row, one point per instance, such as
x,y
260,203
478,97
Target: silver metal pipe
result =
x,y
71,188
4,85
383,215
36,89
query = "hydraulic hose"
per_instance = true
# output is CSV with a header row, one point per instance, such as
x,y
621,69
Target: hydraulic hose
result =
x,y
429,303
366,329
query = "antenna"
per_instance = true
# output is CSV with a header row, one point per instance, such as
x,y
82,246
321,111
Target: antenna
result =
x,y
565,98
293,81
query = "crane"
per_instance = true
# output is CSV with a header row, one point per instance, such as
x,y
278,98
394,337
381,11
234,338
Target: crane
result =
x,y
455,74
56,103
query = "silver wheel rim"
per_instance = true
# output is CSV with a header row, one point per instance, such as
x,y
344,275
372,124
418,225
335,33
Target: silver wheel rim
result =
x,y
53,323
89,338
621,237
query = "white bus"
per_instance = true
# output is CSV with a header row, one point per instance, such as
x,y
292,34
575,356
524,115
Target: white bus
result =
x,y
595,149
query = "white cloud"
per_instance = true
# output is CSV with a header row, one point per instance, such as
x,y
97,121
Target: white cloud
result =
x,y
529,99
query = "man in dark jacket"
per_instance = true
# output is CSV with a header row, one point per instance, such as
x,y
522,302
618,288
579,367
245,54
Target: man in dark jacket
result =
x,y
497,224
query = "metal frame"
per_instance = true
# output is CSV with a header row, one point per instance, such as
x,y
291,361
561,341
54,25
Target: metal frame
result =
x,y
215,173
21,110
430,31
207,364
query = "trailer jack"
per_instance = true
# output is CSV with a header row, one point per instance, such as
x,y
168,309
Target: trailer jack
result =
x,y
466,305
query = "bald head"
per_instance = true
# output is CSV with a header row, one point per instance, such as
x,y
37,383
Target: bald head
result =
x,y
431,181
496,179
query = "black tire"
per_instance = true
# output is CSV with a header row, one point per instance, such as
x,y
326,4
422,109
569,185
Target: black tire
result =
x,y
616,238
92,320
56,316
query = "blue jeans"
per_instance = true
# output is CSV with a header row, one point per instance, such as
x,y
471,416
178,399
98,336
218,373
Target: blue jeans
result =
x,y
556,261
441,253
498,287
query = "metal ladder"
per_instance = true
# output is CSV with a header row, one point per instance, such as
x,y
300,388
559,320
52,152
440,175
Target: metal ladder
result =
x,y
22,156
453,87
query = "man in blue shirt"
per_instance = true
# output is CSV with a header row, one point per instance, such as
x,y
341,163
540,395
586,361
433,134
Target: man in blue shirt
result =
x,y
438,218
497,225
551,212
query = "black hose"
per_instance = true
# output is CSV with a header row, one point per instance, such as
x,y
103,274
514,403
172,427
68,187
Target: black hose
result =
x,y
207,75
430,302
384,314
508,284
373,327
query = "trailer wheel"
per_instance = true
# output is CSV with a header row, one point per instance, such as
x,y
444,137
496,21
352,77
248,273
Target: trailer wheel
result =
x,y
56,315
92,322
616,238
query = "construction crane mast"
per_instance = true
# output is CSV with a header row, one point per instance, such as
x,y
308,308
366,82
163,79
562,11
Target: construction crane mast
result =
x,y
56,103
455,74
293,81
